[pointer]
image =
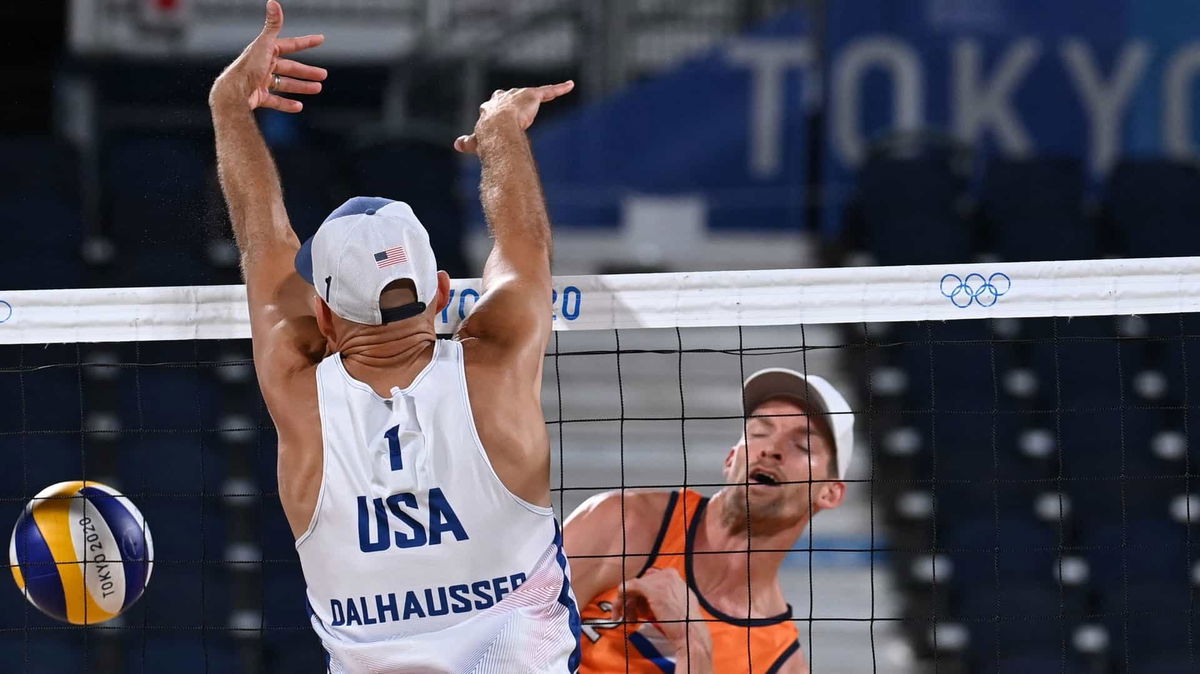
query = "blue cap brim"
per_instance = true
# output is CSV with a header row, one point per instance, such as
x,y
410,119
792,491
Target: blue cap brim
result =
x,y
304,262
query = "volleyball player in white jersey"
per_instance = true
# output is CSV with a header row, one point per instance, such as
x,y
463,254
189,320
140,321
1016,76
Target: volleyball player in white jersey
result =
x,y
414,472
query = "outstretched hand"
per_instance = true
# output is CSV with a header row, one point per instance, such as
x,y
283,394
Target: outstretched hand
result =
x,y
519,105
259,74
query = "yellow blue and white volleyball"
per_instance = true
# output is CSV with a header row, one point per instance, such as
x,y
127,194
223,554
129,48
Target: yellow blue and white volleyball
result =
x,y
81,552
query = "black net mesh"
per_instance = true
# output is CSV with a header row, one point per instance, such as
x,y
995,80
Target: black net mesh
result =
x,y
1020,498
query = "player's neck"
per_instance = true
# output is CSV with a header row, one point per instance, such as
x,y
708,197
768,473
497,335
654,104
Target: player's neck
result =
x,y
387,355
722,577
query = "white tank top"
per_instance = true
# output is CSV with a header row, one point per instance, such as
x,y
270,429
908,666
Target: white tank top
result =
x,y
418,559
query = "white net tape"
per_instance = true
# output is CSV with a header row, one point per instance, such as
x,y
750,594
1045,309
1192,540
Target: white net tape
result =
x,y
697,299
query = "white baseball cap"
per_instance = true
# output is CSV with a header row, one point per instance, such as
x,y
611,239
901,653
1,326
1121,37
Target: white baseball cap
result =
x,y
816,394
364,245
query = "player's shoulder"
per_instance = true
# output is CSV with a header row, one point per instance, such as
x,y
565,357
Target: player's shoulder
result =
x,y
629,510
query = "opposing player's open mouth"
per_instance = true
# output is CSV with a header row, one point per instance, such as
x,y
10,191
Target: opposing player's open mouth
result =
x,y
763,478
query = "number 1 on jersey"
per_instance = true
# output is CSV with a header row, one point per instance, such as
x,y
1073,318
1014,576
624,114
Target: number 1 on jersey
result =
x,y
393,438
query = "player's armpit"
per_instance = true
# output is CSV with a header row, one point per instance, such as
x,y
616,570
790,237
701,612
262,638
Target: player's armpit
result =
x,y
513,316
609,538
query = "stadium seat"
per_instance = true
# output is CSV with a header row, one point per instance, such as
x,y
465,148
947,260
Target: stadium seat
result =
x,y
1016,619
43,398
41,269
185,532
275,536
47,459
39,166
180,463
1138,551
982,498
1180,664
1110,469
37,652
284,600
1156,621
956,365
45,223
182,653
184,594
292,650
907,207
312,179
162,264
1078,361
175,397
1152,205
157,189
1049,663
1009,551
1033,209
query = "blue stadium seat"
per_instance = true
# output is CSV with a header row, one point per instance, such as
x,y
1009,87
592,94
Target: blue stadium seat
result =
x,y
39,165
182,653
284,600
47,223
37,652
1181,361
1033,209
184,594
977,447
161,397
187,529
1180,664
1081,366
982,498
1156,621
157,189
1011,550
1110,469
162,264
956,366
44,399
289,651
47,459
40,270
1016,619
1152,205
907,205
180,463
1048,663
1138,551
311,189
275,536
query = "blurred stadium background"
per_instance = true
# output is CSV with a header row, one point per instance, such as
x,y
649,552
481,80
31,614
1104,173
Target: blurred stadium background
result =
x,y
706,134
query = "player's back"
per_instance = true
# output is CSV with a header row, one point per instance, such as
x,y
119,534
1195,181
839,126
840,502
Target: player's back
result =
x,y
418,558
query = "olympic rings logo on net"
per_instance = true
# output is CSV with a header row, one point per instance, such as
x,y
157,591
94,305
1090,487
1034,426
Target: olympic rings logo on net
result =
x,y
975,289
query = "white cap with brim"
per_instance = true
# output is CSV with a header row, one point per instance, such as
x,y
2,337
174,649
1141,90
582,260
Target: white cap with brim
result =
x,y
364,245
815,394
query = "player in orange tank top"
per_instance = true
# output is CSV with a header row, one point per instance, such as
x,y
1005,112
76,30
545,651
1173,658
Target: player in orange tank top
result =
x,y
662,576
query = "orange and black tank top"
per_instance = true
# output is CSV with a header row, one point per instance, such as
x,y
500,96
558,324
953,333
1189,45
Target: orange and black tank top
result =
x,y
755,645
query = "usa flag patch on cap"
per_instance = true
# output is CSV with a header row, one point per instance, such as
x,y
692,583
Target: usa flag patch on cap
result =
x,y
391,256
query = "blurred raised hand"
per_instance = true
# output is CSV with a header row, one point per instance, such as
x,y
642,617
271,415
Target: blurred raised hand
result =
x,y
512,105
260,74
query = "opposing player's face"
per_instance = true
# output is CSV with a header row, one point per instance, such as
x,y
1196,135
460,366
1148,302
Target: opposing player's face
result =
x,y
772,467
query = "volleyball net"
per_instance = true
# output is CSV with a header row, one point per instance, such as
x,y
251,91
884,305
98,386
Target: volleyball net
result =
x,y
1021,490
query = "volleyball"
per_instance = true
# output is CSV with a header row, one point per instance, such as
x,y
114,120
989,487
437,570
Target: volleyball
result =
x,y
81,552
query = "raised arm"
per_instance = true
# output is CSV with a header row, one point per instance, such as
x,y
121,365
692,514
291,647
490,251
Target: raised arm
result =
x,y
284,331
514,311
